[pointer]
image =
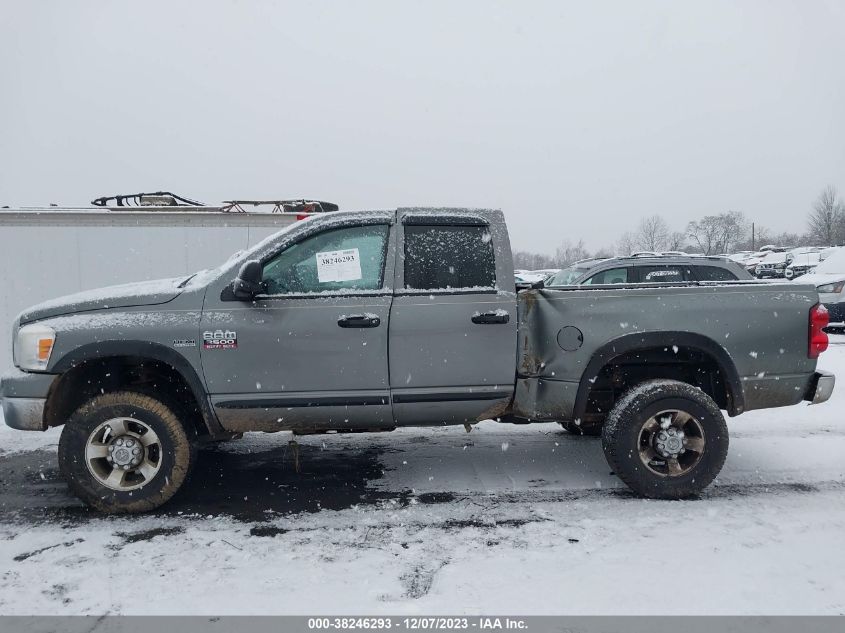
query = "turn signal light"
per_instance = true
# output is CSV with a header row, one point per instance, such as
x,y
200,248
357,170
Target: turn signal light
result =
x,y
45,346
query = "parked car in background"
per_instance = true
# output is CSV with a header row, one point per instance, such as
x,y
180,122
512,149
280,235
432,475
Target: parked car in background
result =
x,y
772,266
829,280
827,252
750,262
740,257
527,277
802,263
648,268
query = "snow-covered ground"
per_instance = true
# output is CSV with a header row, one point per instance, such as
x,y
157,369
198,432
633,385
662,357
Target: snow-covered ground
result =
x,y
507,519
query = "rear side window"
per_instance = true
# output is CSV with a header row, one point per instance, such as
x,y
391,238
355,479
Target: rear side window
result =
x,y
714,273
449,257
661,274
611,276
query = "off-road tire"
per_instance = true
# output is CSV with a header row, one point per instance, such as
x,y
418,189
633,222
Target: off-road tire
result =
x,y
622,429
177,456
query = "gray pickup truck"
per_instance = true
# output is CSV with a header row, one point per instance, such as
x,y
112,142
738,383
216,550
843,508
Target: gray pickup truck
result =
x,y
366,321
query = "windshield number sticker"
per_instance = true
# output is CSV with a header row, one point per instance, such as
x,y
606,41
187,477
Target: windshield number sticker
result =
x,y
339,266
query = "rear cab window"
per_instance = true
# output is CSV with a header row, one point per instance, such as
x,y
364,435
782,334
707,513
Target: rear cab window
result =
x,y
442,257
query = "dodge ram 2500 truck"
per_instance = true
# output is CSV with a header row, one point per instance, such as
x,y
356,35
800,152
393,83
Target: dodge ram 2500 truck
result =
x,y
366,321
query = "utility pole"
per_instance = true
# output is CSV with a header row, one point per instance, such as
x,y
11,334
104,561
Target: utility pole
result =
x,y
753,248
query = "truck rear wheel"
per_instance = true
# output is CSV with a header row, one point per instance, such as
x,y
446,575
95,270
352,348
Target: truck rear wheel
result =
x,y
125,452
665,439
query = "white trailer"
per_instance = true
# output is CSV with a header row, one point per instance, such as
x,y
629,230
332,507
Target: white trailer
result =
x,y
48,252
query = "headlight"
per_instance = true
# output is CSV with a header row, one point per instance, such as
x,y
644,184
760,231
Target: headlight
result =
x,y
33,346
831,288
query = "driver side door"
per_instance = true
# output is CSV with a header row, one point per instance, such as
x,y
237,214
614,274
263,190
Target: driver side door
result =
x,y
309,352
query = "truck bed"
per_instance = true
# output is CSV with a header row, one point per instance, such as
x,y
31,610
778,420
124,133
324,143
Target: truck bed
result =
x,y
573,342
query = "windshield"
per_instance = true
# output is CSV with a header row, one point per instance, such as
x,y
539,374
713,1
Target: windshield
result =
x,y
202,277
566,277
835,263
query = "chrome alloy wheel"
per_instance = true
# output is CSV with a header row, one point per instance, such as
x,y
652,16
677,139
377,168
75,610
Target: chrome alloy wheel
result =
x,y
671,443
123,454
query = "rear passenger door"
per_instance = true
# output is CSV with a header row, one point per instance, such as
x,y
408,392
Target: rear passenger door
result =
x,y
453,321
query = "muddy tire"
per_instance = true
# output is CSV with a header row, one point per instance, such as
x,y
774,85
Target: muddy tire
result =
x,y
591,429
665,439
125,452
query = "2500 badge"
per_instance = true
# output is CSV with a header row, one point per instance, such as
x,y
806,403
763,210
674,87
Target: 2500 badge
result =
x,y
220,339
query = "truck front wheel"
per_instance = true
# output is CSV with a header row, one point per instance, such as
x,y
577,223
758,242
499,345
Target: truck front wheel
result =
x,y
124,452
665,439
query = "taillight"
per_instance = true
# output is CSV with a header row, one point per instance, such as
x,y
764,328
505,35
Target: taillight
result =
x,y
819,318
301,216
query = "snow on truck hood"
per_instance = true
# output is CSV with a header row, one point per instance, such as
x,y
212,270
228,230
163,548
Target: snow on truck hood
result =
x,y
123,296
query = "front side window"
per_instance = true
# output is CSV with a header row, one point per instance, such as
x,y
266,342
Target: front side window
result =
x,y
610,276
449,257
338,260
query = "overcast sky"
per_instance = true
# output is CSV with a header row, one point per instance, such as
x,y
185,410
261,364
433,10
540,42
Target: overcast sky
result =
x,y
575,118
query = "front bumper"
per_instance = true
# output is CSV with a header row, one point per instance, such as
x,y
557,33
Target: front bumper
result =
x,y
821,387
23,396
24,414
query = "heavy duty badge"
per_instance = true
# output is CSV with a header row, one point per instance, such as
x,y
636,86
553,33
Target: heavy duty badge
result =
x,y
218,339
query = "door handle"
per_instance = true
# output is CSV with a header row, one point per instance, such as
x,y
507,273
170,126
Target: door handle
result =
x,y
359,320
487,318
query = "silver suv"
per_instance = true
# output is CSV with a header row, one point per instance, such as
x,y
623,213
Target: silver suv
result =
x,y
642,268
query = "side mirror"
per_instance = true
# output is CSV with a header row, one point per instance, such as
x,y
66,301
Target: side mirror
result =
x,y
248,282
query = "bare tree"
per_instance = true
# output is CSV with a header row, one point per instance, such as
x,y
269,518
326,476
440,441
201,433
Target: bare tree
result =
x,y
532,261
827,219
652,234
565,254
715,234
627,244
676,240
568,252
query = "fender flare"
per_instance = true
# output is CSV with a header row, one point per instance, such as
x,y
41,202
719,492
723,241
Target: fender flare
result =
x,y
648,340
145,350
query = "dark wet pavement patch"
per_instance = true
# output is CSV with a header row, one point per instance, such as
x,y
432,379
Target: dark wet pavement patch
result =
x,y
148,535
22,557
267,530
251,487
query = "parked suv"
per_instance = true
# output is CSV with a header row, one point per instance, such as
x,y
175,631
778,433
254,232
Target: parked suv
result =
x,y
802,263
649,268
772,266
